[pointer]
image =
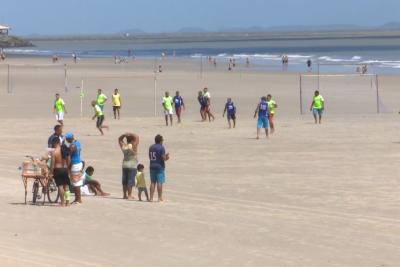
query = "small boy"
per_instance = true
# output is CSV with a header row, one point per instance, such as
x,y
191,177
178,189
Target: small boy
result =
x,y
230,109
141,182
93,184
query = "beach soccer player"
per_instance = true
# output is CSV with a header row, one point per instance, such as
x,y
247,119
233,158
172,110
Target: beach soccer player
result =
x,y
98,113
116,102
167,103
262,112
317,107
157,157
101,99
178,104
230,110
271,112
207,100
76,165
203,105
129,143
59,109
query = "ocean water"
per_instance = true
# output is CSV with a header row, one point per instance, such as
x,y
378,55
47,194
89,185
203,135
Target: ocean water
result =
x,y
329,55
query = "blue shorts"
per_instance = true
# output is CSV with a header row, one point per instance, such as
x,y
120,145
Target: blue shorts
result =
x,y
317,111
157,176
128,176
262,122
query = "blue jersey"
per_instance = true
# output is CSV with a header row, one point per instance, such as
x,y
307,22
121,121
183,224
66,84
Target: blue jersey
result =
x,y
230,108
263,109
178,101
76,155
156,152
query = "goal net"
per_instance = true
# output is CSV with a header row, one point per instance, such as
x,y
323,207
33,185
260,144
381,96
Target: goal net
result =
x,y
343,93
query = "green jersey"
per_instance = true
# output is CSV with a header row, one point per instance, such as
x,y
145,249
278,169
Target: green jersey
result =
x,y
318,102
59,105
168,102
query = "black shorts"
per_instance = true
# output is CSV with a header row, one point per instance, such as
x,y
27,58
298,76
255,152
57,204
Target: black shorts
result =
x,y
115,108
100,120
61,176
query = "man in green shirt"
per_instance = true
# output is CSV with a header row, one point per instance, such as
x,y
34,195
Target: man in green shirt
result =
x,y
101,99
59,109
317,107
98,113
167,105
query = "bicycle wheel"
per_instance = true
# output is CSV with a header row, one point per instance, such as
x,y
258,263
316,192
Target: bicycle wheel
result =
x,y
35,190
52,192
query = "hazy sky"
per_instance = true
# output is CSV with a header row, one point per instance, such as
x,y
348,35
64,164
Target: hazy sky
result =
x,y
97,16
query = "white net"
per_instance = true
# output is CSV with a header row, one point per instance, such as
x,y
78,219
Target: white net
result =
x,y
343,94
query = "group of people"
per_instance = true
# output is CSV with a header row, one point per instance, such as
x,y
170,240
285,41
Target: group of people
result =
x,y
68,169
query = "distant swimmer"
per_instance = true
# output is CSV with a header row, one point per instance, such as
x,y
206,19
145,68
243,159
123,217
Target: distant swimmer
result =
x,y
215,62
59,109
167,103
101,99
271,112
159,68
116,102
234,63
178,104
262,112
230,110
98,113
247,62
74,58
317,107
207,101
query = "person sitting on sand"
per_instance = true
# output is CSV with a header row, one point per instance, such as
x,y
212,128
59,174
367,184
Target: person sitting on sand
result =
x,y
317,107
129,143
98,113
141,182
230,109
93,185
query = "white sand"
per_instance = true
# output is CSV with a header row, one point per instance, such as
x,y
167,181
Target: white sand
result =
x,y
312,195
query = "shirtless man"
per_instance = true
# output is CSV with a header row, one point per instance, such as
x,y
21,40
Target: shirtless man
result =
x,y
59,169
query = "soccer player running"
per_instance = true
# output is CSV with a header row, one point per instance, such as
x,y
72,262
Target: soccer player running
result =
x,y
157,157
262,111
317,107
59,109
271,108
98,113
116,102
101,99
167,105
230,109
207,101
179,104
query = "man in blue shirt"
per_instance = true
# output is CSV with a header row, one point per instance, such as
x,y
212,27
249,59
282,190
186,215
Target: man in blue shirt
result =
x,y
76,164
178,104
157,158
230,109
262,111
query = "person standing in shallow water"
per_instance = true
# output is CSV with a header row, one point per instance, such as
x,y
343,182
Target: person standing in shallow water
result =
x,y
129,143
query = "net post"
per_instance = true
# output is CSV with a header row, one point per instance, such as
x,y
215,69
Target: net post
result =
x,y
377,94
155,93
65,78
301,95
8,79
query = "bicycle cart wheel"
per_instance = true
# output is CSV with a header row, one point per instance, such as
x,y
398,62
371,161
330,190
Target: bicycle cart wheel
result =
x,y
35,191
52,192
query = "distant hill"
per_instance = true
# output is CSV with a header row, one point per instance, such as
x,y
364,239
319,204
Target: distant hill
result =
x,y
391,26
192,30
12,41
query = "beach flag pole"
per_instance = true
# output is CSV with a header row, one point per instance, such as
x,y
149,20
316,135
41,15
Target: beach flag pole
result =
x,y
65,78
155,93
82,96
8,79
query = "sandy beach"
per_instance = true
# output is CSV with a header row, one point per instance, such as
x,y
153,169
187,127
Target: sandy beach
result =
x,y
311,195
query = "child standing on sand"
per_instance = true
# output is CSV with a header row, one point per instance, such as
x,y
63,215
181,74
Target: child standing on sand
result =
x,y
141,182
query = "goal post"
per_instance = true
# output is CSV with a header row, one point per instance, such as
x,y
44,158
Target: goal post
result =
x,y
343,93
